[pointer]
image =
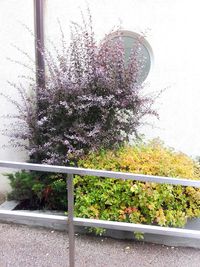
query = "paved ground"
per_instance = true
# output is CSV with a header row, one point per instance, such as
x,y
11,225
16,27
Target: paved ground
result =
x,y
21,246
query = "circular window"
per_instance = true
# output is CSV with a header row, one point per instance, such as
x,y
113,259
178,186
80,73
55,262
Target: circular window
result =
x,y
143,52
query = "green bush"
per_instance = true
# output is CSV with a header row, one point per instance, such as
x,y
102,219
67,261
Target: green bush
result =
x,y
138,202
39,190
21,183
119,200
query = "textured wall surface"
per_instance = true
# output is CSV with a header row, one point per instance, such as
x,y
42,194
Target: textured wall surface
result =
x,y
13,14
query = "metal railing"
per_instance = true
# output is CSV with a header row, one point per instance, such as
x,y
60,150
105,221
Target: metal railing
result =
x,y
72,221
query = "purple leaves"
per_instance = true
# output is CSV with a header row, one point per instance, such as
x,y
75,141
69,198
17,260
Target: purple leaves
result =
x,y
90,100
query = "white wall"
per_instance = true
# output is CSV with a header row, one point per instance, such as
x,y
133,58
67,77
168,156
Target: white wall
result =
x,y
13,13
172,30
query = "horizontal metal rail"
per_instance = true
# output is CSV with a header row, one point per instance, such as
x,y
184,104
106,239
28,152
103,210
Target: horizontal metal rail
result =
x,y
100,173
70,171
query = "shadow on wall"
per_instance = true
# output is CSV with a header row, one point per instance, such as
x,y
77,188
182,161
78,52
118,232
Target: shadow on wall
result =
x,y
4,185
2,197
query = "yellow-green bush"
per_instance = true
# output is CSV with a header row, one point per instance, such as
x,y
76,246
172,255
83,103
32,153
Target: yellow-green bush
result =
x,y
139,202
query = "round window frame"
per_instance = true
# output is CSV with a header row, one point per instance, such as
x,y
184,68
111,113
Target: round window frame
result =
x,y
137,36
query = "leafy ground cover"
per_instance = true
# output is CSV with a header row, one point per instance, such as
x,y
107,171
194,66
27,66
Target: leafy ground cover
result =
x,y
139,202
118,200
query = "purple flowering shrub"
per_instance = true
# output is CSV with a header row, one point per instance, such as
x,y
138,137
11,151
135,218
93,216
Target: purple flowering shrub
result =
x,y
90,100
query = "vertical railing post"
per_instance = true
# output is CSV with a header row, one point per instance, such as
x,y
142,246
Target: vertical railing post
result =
x,y
70,191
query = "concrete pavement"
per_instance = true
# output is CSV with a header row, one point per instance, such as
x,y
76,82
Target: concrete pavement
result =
x,y
21,246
